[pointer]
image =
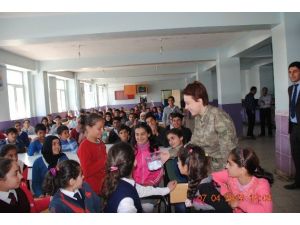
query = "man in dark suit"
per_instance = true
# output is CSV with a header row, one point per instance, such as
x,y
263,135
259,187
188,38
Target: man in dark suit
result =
x,y
294,120
250,105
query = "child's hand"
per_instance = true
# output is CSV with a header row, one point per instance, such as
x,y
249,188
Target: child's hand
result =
x,y
172,184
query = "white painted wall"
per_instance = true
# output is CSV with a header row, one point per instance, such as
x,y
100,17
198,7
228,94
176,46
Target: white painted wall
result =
x,y
266,76
253,79
4,112
154,91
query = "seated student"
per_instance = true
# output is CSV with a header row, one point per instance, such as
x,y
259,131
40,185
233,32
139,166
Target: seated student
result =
x,y
36,204
36,146
67,144
124,133
12,197
78,132
51,155
176,122
27,127
23,136
123,117
70,193
159,133
144,146
58,123
45,121
51,122
71,122
2,136
175,138
132,120
121,193
203,194
113,136
108,119
12,138
245,185
142,117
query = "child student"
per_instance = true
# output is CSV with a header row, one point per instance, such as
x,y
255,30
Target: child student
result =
x,y
12,138
92,153
124,133
144,145
202,192
51,155
121,193
245,185
23,136
35,147
67,144
12,198
70,193
36,205
27,127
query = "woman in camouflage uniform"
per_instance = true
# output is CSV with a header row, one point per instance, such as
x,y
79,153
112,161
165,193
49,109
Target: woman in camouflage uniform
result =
x,y
214,129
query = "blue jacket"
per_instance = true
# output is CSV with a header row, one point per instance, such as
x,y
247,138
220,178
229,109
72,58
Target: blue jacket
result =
x,y
69,145
23,136
19,143
39,170
62,203
34,147
124,189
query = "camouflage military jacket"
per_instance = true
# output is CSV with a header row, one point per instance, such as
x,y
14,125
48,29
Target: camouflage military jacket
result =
x,y
215,133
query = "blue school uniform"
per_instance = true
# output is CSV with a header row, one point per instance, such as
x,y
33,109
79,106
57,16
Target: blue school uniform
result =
x,y
124,190
35,147
62,203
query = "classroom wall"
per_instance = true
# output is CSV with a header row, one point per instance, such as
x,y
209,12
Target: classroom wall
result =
x,y
153,95
266,76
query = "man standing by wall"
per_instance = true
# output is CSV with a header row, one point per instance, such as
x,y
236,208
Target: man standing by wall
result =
x,y
294,121
250,105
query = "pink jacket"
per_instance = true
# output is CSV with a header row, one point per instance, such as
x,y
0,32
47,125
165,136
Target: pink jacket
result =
x,y
141,174
255,196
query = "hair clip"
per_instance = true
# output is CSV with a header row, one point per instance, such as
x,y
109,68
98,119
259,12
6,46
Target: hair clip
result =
x,y
190,150
53,171
113,168
242,157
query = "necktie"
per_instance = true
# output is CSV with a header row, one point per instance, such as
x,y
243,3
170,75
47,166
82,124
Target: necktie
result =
x,y
12,197
293,102
79,199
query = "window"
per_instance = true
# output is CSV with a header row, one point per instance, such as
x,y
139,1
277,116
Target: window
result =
x,y
102,95
16,94
61,95
89,96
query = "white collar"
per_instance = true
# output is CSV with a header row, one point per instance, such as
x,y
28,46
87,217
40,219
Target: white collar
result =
x,y
70,193
130,181
4,195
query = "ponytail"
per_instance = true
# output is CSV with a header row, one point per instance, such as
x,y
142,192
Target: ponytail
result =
x,y
198,165
119,164
60,176
247,158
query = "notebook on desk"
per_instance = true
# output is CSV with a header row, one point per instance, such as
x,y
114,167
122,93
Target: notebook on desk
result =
x,y
179,194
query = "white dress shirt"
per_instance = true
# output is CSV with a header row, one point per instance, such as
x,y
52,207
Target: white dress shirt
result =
x,y
4,195
70,193
126,205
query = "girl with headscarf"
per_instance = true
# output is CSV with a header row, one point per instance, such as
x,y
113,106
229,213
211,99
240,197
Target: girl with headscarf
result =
x,y
51,155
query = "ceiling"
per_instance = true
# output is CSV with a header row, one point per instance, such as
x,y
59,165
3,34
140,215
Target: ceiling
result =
x,y
87,47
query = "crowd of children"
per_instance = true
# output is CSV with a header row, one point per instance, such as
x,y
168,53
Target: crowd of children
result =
x,y
135,167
